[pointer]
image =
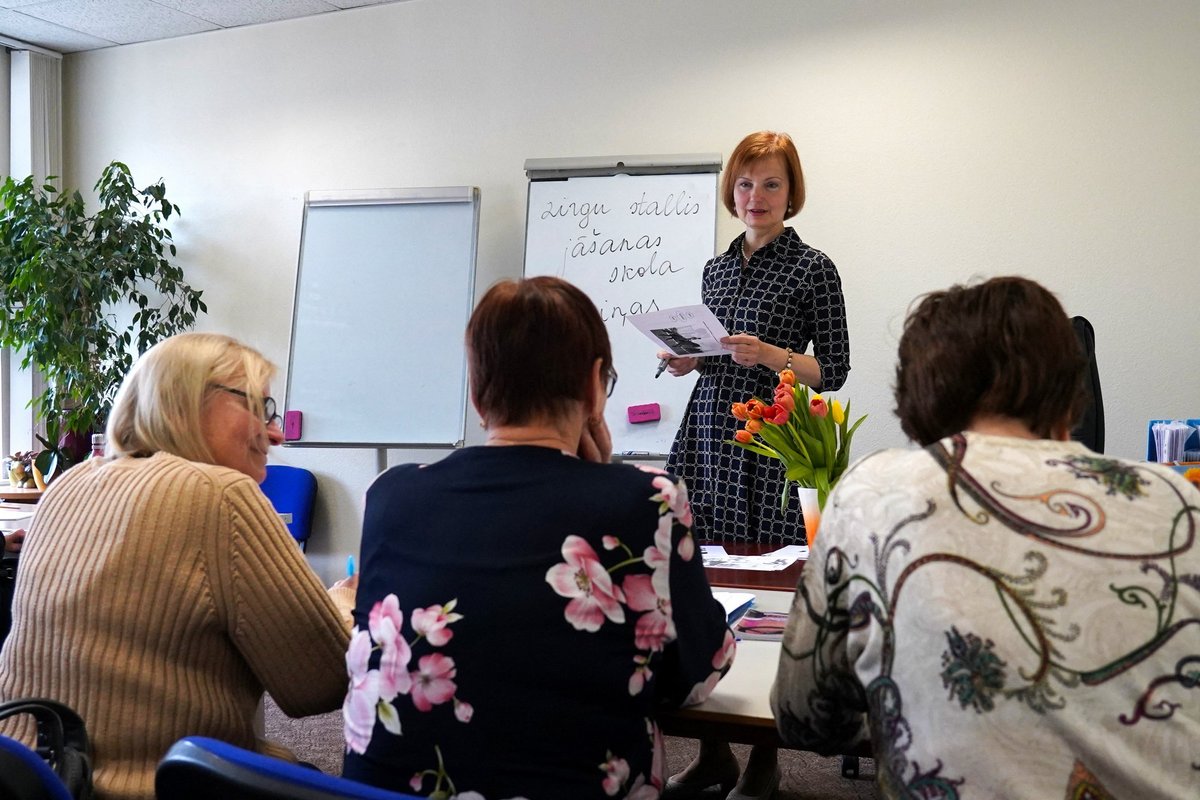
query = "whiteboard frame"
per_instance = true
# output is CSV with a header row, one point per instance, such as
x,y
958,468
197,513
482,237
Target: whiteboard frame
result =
x,y
360,197
542,169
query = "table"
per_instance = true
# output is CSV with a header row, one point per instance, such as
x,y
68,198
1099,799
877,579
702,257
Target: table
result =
x,y
739,709
13,494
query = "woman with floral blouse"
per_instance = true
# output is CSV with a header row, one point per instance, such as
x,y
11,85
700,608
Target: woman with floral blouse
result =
x,y
524,606
1004,611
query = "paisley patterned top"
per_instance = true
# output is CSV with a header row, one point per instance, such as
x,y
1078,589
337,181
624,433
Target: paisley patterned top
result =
x,y
790,295
1017,618
521,614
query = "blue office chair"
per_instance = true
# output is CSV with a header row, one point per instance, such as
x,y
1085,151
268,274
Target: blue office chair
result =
x,y
25,775
199,768
293,492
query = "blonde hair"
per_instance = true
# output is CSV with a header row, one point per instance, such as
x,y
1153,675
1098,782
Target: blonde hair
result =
x,y
158,407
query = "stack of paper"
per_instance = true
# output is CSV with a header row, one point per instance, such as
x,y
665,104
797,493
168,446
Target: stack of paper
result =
x,y
1170,439
735,603
765,625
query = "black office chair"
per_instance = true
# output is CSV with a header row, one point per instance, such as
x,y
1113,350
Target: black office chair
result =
x,y
1090,430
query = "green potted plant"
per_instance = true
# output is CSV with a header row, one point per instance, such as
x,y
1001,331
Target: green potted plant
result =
x,y
82,294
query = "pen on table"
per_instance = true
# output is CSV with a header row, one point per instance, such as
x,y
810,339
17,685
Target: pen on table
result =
x,y
662,365
350,566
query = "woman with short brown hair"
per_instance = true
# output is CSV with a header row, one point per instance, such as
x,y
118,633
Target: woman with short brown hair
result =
x,y
525,607
1002,611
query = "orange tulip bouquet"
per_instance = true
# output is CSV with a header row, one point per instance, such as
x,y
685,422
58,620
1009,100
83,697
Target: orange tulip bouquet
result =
x,y
807,433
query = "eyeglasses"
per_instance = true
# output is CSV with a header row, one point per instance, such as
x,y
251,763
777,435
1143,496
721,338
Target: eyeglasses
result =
x,y
611,381
269,411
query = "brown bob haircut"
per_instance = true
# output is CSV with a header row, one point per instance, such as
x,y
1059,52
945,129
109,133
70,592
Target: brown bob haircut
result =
x,y
1002,347
754,147
531,345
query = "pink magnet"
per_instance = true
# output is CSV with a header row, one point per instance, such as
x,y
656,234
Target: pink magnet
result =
x,y
648,412
292,425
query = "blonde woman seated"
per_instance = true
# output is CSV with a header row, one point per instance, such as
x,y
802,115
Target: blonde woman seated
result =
x,y
1011,614
159,593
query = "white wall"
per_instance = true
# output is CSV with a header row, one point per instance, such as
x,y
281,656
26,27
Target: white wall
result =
x,y
941,141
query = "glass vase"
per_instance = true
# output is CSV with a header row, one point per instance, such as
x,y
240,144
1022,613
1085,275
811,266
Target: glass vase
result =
x,y
810,507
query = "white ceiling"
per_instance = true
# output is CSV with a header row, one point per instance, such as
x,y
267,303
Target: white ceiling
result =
x,y
69,26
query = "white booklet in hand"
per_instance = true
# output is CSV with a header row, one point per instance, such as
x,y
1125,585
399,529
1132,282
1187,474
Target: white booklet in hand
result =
x,y
683,330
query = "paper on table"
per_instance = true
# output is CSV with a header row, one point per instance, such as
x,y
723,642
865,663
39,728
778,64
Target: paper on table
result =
x,y
707,550
683,330
774,561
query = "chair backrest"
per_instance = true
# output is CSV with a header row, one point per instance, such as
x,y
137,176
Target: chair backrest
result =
x,y
1090,430
25,775
199,768
293,492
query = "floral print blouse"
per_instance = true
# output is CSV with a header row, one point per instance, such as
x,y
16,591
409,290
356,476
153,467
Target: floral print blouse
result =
x,y
1016,618
521,615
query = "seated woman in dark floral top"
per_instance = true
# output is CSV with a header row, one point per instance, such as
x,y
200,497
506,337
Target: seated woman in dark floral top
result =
x,y
524,607
1016,615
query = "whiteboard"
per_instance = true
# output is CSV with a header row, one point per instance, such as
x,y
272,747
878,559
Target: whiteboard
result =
x,y
633,243
384,289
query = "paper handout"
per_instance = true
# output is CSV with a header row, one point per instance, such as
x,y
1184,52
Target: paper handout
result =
x,y
683,330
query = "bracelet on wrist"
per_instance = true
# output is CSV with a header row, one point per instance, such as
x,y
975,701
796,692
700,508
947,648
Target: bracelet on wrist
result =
x,y
789,359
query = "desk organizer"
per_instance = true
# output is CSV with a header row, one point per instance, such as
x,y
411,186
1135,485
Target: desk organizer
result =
x,y
1192,444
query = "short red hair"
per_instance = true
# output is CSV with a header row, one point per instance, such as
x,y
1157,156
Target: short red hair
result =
x,y
755,147
531,345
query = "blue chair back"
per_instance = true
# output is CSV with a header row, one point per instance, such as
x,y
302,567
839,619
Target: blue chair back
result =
x,y
199,768
293,492
25,775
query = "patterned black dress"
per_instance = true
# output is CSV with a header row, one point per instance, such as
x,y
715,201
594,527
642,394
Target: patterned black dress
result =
x,y
788,295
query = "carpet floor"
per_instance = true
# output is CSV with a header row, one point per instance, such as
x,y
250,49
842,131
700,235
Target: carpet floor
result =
x,y
804,776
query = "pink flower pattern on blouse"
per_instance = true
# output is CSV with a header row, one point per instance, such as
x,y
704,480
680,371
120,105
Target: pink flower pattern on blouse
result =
x,y
588,584
372,692
595,597
596,594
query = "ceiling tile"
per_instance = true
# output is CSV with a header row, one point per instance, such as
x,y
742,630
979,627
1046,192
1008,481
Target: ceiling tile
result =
x,y
231,13
122,21
47,34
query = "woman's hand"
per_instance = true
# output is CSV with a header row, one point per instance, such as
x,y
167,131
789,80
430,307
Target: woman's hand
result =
x,y
596,442
350,583
13,540
746,349
344,593
679,366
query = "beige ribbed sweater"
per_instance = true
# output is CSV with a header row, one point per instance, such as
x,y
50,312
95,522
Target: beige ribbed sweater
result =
x,y
159,598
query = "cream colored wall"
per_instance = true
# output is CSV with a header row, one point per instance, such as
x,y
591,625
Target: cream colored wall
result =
x,y
941,141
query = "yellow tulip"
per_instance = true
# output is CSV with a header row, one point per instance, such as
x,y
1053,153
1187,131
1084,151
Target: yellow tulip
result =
x,y
839,413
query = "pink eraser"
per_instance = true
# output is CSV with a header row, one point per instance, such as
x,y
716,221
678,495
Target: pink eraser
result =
x,y
649,412
291,425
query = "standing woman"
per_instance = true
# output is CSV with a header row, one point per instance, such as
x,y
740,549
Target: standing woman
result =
x,y
776,295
